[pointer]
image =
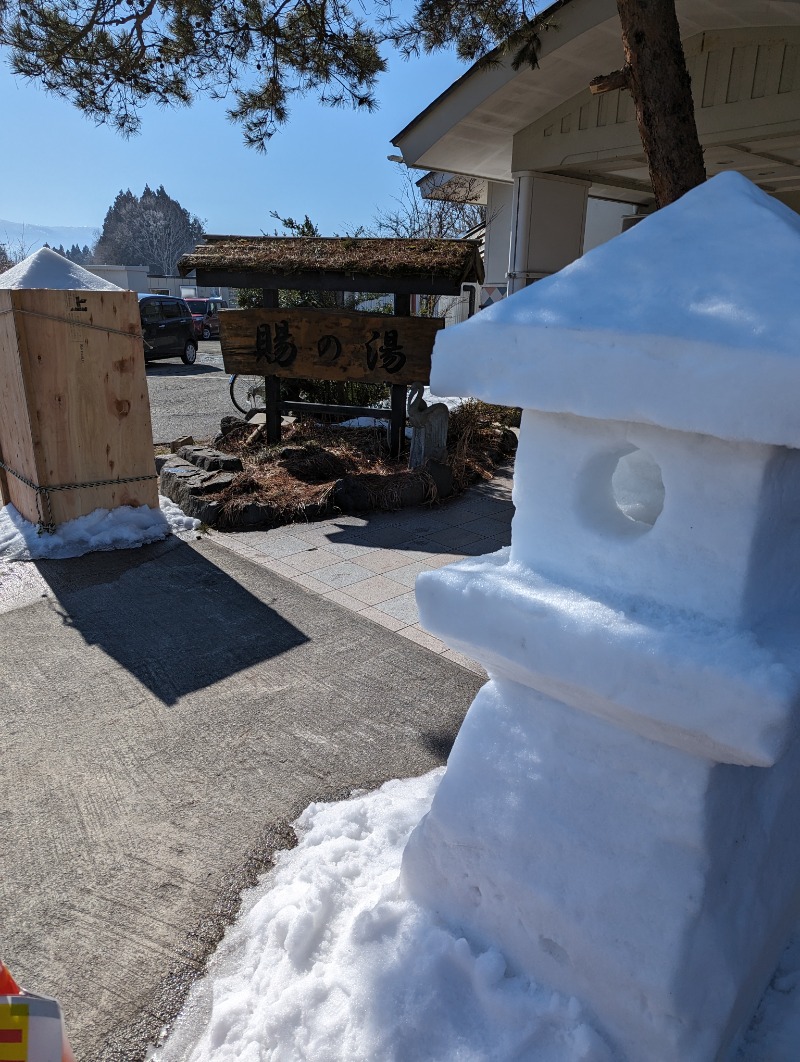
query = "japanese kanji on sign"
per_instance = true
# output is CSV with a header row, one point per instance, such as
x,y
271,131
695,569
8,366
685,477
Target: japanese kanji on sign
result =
x,y
304,343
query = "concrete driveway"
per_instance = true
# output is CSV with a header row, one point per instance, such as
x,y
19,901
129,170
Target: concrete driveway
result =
x,y
166,713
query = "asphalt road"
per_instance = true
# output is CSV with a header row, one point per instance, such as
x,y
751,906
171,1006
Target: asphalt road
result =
x,y
189,399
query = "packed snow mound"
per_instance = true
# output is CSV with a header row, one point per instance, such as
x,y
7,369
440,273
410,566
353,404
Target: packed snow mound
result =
x,y
126,527
46,268
669,324
331,960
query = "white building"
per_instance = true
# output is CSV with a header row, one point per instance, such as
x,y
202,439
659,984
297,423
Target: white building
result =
x,y
138,278
560,168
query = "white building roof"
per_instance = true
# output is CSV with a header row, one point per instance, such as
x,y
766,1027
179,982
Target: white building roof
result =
x,y
690,320
742,60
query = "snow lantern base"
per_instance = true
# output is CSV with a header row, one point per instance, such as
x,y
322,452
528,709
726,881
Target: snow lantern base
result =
x,y
613,868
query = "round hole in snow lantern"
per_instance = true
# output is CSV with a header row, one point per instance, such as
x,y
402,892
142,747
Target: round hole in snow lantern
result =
x,y
638,488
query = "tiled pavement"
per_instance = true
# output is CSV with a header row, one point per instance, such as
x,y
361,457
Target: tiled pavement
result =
x,y
369,563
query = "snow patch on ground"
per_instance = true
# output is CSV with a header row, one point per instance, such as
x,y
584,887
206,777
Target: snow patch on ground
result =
x,y
452,404
330,961
123,528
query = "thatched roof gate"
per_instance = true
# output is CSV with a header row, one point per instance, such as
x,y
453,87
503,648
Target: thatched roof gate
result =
x,y
338,263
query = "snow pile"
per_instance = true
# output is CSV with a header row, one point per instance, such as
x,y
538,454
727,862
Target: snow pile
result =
x,y
125,527
364,422
453,402
671,323
46,268
331,961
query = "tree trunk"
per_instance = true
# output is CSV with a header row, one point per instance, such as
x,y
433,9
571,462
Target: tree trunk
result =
x,y
662,94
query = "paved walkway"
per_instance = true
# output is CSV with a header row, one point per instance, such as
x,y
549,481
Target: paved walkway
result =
x,y
369,564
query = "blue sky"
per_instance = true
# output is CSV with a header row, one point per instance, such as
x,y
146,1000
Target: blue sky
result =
x,y
61,169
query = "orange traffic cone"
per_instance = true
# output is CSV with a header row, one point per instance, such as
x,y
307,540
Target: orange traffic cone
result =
x,y
8,986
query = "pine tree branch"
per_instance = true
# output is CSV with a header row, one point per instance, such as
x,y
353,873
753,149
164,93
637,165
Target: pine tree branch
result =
x,y
617,79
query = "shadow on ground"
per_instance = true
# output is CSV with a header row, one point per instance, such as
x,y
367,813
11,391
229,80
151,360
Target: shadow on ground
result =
x,y
187,628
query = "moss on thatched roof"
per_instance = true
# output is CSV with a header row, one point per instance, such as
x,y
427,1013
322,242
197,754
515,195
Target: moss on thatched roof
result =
x,y
284,256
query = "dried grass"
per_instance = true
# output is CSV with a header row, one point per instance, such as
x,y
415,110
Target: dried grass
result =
x,y
457,260
296,478
472,443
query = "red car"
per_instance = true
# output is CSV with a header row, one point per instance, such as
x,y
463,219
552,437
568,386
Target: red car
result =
x,y
205,315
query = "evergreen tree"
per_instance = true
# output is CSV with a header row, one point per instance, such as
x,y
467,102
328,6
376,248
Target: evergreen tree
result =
x,y
152,229
74,253
111,57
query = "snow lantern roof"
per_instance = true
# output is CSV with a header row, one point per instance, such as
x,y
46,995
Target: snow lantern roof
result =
x,y
46,268
690,320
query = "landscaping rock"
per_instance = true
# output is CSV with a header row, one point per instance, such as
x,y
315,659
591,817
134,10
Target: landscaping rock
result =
x,y
188,486
208,458
229,424
442,476
163,460
170,461
509,440
351,494
184,440
254,515
213,483
207,512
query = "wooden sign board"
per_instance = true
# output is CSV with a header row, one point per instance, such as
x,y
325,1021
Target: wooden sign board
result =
x,y
310,344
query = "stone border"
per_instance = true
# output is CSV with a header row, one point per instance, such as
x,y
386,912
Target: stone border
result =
x,y
195,472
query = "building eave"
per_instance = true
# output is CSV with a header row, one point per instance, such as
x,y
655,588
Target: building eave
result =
x,y
469,129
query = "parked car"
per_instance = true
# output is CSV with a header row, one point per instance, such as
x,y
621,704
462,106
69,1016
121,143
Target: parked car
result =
x,y
167,328
205,314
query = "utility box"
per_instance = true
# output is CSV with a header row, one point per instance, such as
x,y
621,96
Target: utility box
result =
x,y
75,431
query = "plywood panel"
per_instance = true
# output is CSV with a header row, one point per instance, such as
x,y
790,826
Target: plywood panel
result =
x,y
16,441
80,405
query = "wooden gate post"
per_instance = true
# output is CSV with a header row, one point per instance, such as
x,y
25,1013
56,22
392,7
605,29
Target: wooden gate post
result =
x,y
397,425
272,389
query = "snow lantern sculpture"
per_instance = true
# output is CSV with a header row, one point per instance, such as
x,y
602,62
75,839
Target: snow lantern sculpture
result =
x,y
619,811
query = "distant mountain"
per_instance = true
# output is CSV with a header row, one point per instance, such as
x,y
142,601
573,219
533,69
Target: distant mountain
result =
x,y
32,237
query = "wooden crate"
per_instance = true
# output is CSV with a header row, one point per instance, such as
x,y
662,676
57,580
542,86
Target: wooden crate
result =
x,y
74,406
